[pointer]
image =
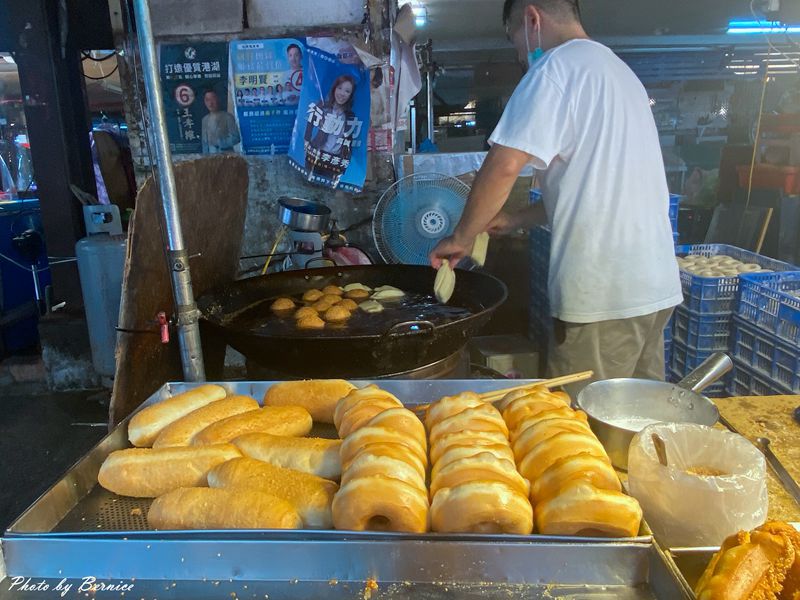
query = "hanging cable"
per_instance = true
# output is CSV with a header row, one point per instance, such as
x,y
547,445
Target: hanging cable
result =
x,y
88,56
114,70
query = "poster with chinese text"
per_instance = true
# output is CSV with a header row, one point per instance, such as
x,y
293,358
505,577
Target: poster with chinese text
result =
x,y
267,80
329,142
194,78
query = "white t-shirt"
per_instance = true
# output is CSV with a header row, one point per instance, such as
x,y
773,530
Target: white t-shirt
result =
x,y
586,119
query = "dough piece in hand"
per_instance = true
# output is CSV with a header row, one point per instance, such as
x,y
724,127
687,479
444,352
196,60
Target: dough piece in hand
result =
x,y
337,314
309,494
318,396
480,249
312,295
334,290
282,305
445,282
293,421
146,424
371,306
208,508
311,323
317,456
150,472
306,311
181,432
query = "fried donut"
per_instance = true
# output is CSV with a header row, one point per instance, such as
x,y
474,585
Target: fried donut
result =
x,y
563,412
370,435
401,419
282,305
580,509
321,306
511,396
459,452
367,464
483,466
313,322
544,430
305,311
480,418
333,290
331,299
481,507
361,414
357,294
349,304
312,295
466,438
390,449
337,314
449,406
379,503
584,466
357,396
560,445
530,405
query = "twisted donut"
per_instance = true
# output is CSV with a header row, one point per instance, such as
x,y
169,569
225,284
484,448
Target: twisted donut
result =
x,y
401,419
393,450
360,414
544,430
449,406
501,451
369,392
483,466
560,445
563,412
466,438
479,418
481,507
584,466
511,396
366,464
378,503
371,435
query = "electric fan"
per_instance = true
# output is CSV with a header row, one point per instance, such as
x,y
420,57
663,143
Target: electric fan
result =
x,y
414,214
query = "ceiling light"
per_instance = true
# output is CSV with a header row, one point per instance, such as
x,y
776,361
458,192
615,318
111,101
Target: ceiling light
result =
x,y
740,27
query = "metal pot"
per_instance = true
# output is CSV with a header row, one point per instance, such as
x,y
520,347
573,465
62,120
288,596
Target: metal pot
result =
x,y
303,215
619,408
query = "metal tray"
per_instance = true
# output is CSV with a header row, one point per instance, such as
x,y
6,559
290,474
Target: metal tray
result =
x,y
78,529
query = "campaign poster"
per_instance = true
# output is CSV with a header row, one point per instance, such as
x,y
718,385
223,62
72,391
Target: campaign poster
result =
x,y
194,80
267,81
329,142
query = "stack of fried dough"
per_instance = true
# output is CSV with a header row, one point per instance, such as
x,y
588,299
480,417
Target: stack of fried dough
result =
x,y
574,489
384,463
755,565
213,460
475,487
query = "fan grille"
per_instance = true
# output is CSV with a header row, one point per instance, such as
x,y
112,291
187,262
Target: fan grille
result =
x,y
414,214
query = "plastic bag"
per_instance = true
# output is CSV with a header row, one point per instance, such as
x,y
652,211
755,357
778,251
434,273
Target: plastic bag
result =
x,y
684,509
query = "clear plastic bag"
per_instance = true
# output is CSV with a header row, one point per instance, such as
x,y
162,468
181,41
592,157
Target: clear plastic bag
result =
x,y
685,509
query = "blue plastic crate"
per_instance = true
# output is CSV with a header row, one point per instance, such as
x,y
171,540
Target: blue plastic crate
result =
x,y
772,302
717,295
675,238
745,381
753,347
702,332
686,359
786,367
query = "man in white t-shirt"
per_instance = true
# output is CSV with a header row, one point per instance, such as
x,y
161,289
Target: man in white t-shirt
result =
x,y
583,119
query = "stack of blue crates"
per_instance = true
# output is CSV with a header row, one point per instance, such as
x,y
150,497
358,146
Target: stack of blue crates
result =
x,y
704,322
766,336
674,206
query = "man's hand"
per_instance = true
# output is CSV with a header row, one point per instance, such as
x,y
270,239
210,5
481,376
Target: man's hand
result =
x,y
503,224
451,248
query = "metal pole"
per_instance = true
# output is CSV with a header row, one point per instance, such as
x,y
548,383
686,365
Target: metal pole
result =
x,y
430,68
186,311
413,117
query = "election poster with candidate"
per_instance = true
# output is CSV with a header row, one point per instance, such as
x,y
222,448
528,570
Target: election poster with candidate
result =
x,y
329,142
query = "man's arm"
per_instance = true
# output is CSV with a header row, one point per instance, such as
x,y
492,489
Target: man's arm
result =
x,y
491,188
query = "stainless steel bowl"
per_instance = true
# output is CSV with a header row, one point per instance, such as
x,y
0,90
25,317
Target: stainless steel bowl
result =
x,y
303,215
619,408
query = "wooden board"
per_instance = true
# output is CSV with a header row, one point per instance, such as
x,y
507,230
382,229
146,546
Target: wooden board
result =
x,y
770,417
212,197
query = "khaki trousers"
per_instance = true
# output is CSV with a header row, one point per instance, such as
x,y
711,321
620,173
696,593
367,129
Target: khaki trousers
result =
x,y
619,348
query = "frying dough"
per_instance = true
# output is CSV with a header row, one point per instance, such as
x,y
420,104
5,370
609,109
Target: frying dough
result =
x,y
445,282
357,294
349,304
337,314
321,305
312,296
304,312
332,289
356,286
388,293
282,304
311,323
331,299
371,306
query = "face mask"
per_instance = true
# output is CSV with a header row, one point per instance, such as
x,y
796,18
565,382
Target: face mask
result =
x,y
536,54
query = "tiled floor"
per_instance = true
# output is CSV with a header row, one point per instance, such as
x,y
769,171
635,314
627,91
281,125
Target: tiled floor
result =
x,y
41,436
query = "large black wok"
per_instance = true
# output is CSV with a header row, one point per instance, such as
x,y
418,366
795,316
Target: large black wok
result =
x,y
386,346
